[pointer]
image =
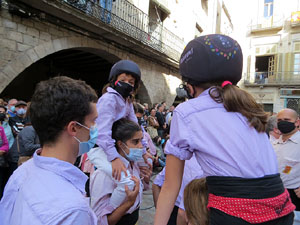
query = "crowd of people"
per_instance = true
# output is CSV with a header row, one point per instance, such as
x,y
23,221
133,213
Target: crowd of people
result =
x,y
69,157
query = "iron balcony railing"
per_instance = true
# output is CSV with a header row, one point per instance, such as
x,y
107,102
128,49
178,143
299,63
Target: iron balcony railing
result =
x,y
266,23
125,17
272,78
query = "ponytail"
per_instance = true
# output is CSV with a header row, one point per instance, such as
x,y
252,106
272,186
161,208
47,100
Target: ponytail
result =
x,y
235,99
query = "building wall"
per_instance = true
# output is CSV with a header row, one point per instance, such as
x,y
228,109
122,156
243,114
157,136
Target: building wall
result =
x,y
280,42
24,41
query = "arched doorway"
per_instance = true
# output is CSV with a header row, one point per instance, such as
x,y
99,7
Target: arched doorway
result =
x,y
88,64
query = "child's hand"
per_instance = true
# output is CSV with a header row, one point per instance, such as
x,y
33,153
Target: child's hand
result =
x,y
148,160
117,168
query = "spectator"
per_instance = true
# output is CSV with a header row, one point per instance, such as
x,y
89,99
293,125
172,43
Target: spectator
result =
x,y
146,107
272,129
288,154
27,142
4,146
152,124
5,125
161,121
147,141
169,115
49,189
18,122
11,110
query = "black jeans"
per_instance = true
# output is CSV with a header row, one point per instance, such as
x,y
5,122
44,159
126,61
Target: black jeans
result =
x,y
295,199
3,179
129,219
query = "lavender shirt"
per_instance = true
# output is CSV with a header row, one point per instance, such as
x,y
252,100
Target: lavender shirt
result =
x,y
111,107
192,170
223,142
46,190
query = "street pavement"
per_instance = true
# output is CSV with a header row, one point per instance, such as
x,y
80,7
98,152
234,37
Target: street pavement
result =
x,y
147,209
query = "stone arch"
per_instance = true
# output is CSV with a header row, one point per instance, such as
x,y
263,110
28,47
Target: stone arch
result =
x,y
32,55
143,94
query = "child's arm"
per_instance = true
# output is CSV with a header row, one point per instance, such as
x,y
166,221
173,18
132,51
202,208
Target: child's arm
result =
x,y
107,115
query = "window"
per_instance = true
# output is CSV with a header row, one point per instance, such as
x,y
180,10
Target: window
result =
x,y
268,8
268,107
297,63
293,103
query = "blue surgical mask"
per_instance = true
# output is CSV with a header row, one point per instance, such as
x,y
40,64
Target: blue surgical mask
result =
x,y
134,154
13,108
86,146
21,111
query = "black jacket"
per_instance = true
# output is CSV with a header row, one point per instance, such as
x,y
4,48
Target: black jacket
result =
x,y
28,143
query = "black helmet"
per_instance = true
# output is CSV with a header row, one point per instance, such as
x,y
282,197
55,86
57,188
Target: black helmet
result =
x,y
125,66
212,58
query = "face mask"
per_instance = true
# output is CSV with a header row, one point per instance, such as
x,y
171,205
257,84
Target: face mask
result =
x,y
286,127
134,154
2,116
123,88
21,111
13,108
86,146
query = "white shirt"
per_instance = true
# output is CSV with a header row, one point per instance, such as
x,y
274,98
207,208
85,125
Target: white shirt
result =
x,y
107,193
288,155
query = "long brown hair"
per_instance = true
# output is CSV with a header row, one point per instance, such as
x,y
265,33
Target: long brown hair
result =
x,y
195,202
235,99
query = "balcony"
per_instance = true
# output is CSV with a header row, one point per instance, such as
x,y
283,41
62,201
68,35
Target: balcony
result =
x,y
288,78
130,20
263,24
122,22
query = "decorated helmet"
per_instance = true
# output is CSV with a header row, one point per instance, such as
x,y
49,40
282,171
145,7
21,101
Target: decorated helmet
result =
x,y
212,58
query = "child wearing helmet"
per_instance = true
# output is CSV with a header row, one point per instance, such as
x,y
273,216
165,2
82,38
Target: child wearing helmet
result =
x,y
224,128
124,79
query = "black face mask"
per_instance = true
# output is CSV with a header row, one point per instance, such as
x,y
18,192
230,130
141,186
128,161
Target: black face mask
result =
x,y
286,127
2,116
123,88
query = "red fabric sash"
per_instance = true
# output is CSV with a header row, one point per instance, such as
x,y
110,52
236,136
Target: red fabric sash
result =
x,y
253,210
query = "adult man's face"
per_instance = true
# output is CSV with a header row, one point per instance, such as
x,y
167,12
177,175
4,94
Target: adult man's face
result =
x,y
11,103
89,121
21,110
288,121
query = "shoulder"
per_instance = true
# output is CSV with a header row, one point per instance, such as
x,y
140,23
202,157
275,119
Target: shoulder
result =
x,y
44,190
296,137
197,105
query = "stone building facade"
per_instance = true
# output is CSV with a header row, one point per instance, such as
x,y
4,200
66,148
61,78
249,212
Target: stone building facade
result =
x,y
40,39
